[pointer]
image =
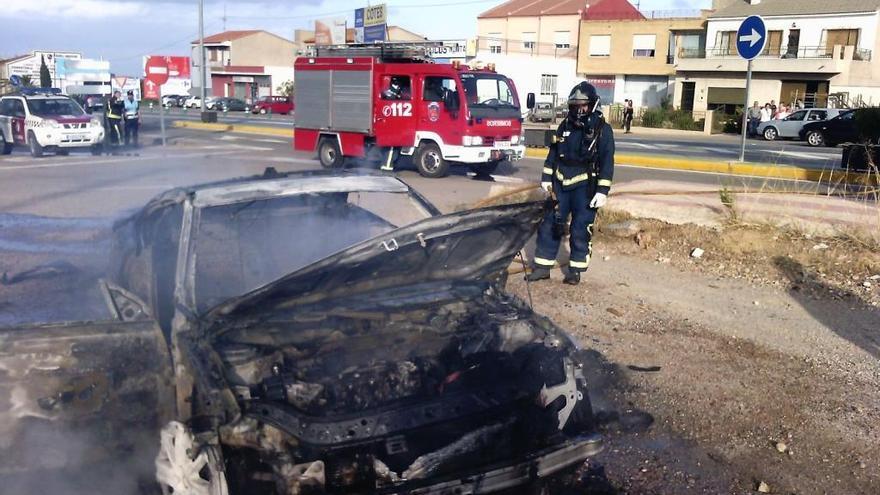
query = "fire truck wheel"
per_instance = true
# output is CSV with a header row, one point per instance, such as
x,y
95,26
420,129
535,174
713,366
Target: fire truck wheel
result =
x,y
329,154
36,149
5,146
429,161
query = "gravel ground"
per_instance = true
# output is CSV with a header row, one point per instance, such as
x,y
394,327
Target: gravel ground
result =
x,y
761,374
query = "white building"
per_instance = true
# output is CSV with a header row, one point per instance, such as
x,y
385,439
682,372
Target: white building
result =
x,y
29,65
820,52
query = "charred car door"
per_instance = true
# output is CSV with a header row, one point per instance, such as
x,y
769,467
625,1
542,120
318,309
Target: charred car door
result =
x,y
81,405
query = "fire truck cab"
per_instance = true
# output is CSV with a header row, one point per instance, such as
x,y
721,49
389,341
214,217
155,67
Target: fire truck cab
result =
x,y
378,102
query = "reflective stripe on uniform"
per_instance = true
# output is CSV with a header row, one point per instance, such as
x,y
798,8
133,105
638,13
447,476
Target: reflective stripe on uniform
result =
x,y
548,171
544,261
604,182
579,264
573,180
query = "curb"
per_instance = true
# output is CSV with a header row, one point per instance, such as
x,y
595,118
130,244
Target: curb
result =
x,y
767,170
243,128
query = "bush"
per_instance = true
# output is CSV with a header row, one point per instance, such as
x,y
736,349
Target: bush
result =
x,y
868,124
670,119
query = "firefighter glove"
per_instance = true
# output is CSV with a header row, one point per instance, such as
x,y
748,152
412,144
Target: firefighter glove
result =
x,y
598,201
546,186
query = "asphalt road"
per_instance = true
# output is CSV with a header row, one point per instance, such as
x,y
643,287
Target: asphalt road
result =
x,y
641,141
80,185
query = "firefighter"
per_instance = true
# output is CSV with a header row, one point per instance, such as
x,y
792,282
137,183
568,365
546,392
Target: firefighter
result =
x,y
132,120
114,108
577,173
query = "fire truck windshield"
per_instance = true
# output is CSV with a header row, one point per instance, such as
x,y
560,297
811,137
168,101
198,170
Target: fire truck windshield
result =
x,y
488,90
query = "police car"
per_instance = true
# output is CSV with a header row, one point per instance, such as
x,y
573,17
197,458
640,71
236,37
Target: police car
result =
x,y
43,121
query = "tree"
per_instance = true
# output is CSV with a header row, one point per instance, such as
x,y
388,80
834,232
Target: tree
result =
x,y
45,77
285,89
27,82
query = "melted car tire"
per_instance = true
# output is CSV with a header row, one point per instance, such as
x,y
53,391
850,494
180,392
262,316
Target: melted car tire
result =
x,y
430,163
329,153
36,149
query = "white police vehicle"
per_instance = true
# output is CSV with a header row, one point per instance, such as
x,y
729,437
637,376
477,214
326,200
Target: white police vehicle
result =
x,y
44,120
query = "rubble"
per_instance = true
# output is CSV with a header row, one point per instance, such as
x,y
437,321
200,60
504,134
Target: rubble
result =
x,y
623,229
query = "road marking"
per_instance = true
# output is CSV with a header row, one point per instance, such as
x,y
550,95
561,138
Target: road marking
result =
x,y
800,154
638,145
277,141
721,151
248,148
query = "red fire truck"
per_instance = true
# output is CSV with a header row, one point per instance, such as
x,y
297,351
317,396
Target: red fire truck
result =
x,y
378,102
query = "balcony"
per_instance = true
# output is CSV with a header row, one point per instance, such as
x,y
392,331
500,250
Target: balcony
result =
x,y
815,60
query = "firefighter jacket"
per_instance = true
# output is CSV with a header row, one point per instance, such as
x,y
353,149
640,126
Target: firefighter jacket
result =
x,y
580,154
114,108
131,109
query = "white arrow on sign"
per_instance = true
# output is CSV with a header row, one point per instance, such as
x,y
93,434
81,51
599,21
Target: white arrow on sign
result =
x,y
753,38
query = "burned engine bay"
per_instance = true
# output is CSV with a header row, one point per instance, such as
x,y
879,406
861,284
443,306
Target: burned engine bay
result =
x,y
349,400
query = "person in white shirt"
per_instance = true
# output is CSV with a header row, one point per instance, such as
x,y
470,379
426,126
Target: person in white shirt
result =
x,y
766,113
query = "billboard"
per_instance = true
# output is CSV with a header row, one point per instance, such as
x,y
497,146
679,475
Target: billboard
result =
x,y
448,49
359,25
30,65
82,76
179,77
375,22
330,31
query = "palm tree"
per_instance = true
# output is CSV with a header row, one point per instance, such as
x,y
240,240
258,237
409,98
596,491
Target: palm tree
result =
x,y
27,82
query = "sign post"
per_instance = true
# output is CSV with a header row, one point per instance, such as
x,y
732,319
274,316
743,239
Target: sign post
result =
x,y
750,40
156,72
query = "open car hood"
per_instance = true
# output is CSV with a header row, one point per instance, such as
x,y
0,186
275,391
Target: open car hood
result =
x,y
470,246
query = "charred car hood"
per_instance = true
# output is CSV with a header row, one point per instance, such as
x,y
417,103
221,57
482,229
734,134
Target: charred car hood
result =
x,y
473,246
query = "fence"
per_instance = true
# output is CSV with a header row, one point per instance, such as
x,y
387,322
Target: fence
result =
x,y
804,52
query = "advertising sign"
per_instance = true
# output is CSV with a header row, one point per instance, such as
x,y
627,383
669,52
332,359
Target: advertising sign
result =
x,y
30,66
330,31
448,49
375,22
82,76
359,25
179,71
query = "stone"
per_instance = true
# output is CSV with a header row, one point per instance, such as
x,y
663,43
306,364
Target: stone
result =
x,y
763,487
820,246
623,229
781,447
697,253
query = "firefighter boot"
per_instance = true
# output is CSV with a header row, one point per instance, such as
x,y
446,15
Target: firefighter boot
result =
x,y
572,278
538,273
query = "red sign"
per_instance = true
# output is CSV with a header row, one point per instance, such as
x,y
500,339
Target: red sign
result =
x,y
151,90
156,70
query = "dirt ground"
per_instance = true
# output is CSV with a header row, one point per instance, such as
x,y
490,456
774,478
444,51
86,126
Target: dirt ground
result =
x,y
758,361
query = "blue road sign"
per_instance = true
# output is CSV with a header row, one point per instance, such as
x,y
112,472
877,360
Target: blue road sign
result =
x,y
751,37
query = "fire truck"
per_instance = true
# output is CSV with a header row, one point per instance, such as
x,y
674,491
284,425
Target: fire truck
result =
x,y
376,103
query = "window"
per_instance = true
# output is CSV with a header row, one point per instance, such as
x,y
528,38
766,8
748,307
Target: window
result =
x,y
17,108
6,107
843,37
600,45
644,45
528,40
847,116
818,115
725,43
436,87
548,84
773,47
396,88
495,42
562,39
797,116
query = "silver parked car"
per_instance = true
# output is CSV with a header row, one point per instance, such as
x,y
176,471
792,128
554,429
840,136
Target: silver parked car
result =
x,y
790,126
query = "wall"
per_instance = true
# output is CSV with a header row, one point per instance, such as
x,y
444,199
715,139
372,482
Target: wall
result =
x,y
811,27
262,49
621,60
279,75
763,89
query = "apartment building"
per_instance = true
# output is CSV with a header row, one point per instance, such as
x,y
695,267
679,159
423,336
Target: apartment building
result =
x,y
536,42
246,64
635,58
817,51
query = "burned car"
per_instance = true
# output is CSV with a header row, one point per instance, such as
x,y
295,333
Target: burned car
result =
x,y
302,333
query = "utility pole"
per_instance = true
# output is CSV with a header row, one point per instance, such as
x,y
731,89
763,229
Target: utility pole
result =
x,y
204,66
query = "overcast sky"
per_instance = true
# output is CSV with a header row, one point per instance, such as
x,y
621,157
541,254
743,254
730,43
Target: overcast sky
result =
x,y
123,31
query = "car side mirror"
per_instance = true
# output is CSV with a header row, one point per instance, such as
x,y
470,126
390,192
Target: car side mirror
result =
x,y
450,101
530,101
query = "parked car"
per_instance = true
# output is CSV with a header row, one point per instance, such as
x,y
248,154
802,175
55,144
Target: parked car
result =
x,y
256,357
231,105
790,126
169,101
840,129
543,112
47,122
273,104
193,102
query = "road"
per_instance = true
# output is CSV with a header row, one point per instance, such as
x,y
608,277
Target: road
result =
x,y
83,185
641,141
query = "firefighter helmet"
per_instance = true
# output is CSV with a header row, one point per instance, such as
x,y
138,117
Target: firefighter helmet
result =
x,y
584,93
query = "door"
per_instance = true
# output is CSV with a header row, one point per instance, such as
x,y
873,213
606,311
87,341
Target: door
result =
x,y
688,90
794,41
82,395
18,121
394,119
842,129
433,116
791,125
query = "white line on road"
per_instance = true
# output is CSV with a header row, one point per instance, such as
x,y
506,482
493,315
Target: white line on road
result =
x,y
808,156
638,145
721,151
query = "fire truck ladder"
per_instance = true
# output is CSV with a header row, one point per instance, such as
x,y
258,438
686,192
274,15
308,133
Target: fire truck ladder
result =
x,y
384,52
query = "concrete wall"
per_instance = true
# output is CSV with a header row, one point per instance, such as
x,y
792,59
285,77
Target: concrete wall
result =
x,y
622,60
262,49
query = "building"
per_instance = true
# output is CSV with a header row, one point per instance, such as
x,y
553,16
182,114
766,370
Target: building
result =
x,y
246,64
29,65
535,43
817,51
634,59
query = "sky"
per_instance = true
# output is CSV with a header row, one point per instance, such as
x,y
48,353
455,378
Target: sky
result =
x,y
123,31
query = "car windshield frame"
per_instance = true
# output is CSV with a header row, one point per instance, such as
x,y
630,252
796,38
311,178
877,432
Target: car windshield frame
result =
x,y
471,83
40,107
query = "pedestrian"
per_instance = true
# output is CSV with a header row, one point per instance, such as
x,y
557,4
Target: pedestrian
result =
x,y
754,119
132,120
799,104
773,107
113,110
577,173
784,111
766,113
628,115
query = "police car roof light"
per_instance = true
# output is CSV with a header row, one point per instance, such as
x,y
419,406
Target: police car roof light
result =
x,y
40,91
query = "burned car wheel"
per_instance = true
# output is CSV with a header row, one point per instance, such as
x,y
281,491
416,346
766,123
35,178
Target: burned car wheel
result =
x,y
181,468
